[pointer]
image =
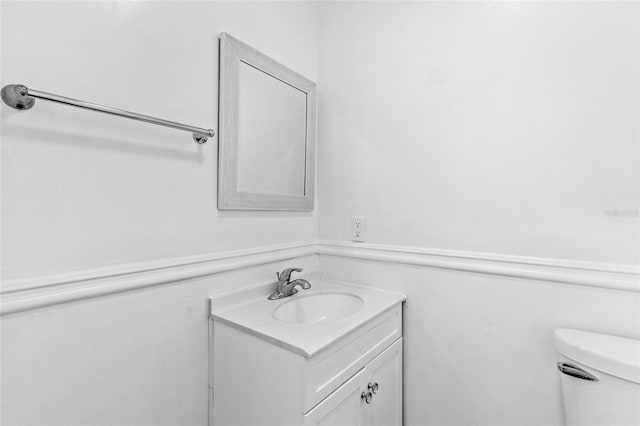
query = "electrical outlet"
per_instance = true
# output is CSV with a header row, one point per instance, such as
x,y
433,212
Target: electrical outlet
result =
x,y
358,228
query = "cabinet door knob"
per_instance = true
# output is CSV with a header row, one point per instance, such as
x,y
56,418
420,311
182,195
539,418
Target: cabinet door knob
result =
x,y
367,397
373,387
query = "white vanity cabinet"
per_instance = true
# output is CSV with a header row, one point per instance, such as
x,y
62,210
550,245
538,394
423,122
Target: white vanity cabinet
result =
x,y
266,372
347,405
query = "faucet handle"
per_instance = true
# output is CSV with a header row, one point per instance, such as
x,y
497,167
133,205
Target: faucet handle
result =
x,y
285,275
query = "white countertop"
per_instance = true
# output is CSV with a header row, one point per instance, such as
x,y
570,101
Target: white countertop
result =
x,y
251,311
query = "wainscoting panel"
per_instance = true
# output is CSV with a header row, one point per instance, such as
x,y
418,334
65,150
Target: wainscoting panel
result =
x,y
478,328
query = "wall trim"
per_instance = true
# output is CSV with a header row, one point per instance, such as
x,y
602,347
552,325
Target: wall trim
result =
x,y
592,274
21,295
25,294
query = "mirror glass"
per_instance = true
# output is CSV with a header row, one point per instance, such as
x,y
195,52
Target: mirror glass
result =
x,y
266,132
271,134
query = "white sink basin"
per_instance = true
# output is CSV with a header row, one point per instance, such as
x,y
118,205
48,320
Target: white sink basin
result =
x,y
318,307
307,322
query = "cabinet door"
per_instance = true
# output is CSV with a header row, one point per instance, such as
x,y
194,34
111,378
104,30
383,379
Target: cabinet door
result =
x,y
343,407
385,408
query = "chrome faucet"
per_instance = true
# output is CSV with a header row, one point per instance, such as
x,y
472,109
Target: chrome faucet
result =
x,y
285,287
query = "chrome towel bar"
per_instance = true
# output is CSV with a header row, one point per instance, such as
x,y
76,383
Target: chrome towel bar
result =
x,y
20,97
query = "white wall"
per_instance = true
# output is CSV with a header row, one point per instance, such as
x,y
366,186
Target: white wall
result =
x,y
83,190
88,196
493,127
476,132
503,127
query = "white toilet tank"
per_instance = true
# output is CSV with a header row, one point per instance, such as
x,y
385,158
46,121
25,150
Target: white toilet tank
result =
x,y
600,378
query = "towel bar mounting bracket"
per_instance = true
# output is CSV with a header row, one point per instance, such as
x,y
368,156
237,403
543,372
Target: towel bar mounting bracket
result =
x,y
17,96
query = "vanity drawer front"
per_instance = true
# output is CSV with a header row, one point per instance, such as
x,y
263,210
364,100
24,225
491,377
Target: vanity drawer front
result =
x,y
334,366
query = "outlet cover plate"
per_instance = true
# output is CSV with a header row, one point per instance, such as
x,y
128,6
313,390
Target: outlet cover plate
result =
x,y
358,229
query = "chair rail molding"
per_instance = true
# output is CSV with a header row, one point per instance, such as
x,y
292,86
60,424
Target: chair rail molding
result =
x,y
25,294
592,274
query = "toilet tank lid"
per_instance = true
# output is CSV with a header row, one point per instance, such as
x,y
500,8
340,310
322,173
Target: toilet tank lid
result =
x,y
617,356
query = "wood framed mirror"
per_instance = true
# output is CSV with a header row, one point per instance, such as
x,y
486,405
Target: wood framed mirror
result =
x,y
266,132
